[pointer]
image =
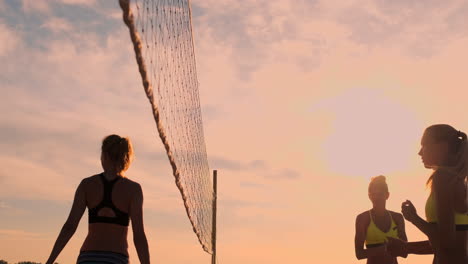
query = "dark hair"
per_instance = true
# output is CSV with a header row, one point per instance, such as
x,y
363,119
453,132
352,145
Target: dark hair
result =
x,y
119,150
446,133
378,182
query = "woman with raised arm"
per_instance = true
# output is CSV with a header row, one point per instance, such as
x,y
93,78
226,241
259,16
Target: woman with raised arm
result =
x,y
374,227
112,200
445,151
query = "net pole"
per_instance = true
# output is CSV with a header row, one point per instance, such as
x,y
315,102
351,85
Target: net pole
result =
x,y
213,232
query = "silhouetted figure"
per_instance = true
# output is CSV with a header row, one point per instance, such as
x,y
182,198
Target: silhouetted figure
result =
x,y
375,226
112,200
444,150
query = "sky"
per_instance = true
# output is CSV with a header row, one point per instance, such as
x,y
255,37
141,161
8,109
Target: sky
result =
x,y
302,102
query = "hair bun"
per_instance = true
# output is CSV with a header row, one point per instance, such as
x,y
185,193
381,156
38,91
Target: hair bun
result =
x,y
119,150
379,182
461,135
379,179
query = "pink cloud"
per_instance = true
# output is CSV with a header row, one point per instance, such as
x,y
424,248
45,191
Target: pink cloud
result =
x,y
17,234
23,184
57,25
10,39
78,2
41,6
79,88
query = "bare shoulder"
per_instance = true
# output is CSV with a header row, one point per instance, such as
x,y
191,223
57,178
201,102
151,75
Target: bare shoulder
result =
x,y
363,218
90,180
131,185
396,216
130,182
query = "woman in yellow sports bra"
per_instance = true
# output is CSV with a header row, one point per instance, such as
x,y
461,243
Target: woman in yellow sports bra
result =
x,y
374,227
445,150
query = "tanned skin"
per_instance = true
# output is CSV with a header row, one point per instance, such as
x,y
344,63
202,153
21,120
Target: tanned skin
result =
x,y
127,196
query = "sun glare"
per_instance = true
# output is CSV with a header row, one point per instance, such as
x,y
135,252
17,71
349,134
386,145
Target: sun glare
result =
x,y
372,134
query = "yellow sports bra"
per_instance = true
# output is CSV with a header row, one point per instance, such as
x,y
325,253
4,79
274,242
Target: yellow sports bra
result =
x,y
375,236
461,220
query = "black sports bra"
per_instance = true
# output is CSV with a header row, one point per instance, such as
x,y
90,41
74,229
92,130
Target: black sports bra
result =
x,y
120,218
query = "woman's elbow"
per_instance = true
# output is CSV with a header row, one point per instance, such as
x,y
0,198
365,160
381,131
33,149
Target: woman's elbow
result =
x,y
360,255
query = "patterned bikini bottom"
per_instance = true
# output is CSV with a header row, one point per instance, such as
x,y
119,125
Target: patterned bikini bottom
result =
x,y
101,257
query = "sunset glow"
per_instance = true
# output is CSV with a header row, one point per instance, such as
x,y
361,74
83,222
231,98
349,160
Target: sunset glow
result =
x,y
302,102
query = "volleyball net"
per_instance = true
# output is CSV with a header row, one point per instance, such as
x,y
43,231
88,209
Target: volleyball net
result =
x,y
161,33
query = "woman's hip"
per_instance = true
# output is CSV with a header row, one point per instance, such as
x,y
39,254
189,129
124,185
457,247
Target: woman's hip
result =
x,y
99,257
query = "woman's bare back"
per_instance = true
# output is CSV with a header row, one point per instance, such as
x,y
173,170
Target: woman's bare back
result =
x,y
108,236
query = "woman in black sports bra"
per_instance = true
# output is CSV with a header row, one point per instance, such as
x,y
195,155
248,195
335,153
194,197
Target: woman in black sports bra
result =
x,y
112,200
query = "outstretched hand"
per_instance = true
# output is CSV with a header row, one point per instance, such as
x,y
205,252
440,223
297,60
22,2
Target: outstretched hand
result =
x,y
397,247
409,211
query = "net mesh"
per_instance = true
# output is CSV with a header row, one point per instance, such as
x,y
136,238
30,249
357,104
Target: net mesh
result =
x,y
161,32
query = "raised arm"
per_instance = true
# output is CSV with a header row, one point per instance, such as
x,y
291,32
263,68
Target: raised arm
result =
x,y
139,236
401,247
410,214
69,228
400,222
